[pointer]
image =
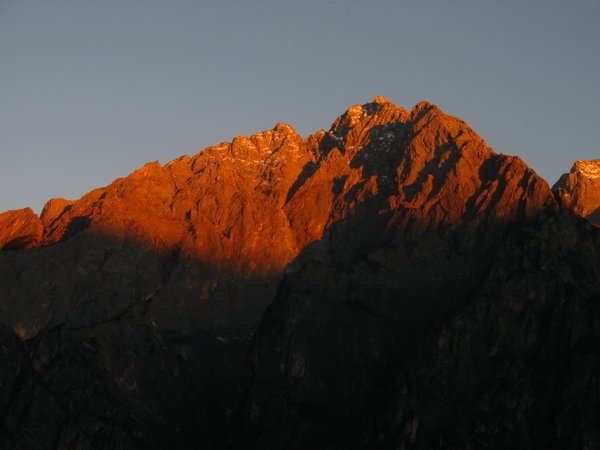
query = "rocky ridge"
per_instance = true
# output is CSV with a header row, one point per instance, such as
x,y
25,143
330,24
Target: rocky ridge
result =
x,y
404,256
20,229
579,190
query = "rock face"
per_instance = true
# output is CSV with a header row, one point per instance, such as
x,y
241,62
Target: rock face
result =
x,y
222,208
410,271
579,190
513,365
21,228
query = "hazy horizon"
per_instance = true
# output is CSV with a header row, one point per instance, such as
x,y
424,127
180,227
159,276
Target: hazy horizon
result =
x,y
93,90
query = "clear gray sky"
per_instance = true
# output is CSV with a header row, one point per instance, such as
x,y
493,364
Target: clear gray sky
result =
x,y
91,90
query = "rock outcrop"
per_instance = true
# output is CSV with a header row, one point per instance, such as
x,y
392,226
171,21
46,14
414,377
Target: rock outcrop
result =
x,y
392,249
20,228
579,190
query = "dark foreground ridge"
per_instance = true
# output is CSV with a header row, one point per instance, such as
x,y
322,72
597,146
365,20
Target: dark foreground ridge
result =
x,y
391,283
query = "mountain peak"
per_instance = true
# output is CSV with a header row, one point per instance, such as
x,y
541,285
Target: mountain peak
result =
x,y
397,254
20,228
382,100
423,105
368,116
579,190
284,129
255,203
590,169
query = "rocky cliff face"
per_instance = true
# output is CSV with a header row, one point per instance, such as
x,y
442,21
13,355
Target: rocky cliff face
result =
x,y
20,229
409,268
579,190
513,363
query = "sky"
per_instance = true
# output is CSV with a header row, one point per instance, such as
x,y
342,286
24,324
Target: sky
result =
x,y
92,90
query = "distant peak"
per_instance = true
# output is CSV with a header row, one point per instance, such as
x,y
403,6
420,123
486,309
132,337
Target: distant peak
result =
x,y
21,228
381,100
380,107
150,168
589,169
54,207
422,106
578,190
284,128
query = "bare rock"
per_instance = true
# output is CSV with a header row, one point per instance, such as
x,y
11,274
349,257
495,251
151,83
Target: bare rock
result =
x,y
20,228
410,270
579,190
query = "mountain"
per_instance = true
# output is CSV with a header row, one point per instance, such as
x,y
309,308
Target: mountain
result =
x,y
389,283
579,190
20,229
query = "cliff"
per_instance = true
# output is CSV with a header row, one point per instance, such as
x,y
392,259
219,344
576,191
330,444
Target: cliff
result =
x,y
390,283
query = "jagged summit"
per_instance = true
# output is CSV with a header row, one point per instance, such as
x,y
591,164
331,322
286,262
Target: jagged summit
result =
x,y
19,228
390,283
380,99
590,169
253,204
261,205
579,190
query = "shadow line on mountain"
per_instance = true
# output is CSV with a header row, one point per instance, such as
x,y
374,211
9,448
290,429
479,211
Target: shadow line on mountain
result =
x,y
203,313
161,338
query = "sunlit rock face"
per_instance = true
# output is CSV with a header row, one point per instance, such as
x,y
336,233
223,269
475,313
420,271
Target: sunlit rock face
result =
x,y
20,228
250,206
391,248
579,190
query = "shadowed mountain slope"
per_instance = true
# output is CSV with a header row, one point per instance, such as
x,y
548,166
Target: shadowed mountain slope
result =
x,y
129,313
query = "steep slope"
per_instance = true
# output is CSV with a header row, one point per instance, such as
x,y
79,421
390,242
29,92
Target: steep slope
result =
x,y
579,190
150,289
436,204
518,367
245,210
221,208
341,361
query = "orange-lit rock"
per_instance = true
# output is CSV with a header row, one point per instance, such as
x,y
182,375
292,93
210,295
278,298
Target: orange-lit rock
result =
x,y
389,283
579,190
19,228
52,210
253,204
